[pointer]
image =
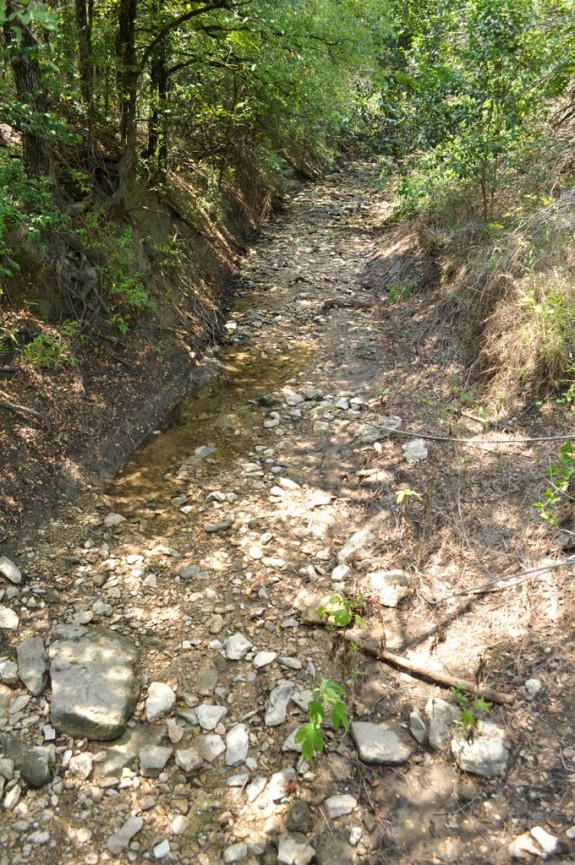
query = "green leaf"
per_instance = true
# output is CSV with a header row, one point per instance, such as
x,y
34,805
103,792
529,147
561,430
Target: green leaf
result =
x,y
311,740
331,691
339,716
316,711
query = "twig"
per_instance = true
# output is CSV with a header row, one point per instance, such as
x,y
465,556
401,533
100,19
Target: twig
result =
x,y
500,583
19,409
475,441
377,651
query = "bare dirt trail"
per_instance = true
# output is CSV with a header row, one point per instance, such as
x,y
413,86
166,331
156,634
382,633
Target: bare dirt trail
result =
x,y
211,551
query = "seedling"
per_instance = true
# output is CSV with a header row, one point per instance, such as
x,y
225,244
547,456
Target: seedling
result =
x,y
560,474
327,698
471,709
341,612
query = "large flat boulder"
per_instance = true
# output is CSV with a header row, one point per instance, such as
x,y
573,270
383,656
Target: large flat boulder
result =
x,y
94,687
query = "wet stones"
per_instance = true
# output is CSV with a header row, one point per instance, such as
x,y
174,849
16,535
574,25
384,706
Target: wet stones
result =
x,y
94,687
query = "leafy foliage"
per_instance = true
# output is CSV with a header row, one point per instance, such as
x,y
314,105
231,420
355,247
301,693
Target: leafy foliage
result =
x,y
327,698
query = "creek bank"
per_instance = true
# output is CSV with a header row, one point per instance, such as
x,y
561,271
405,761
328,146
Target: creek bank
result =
x,y
206,552
65,428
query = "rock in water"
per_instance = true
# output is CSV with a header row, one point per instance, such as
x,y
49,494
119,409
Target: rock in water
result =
x,y
94,688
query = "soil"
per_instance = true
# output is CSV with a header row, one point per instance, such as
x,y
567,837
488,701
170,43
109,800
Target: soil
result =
x,y
314,311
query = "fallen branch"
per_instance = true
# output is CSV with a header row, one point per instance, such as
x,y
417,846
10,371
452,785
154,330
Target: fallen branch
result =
x,y
19,409
507,582
371,647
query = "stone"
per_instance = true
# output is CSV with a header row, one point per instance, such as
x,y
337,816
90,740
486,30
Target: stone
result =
x,y
486,754
162,849
339,806
113,520
81,765
299,816
237,745
359,542
180,824
381,743
235,853
9,671
355,835
263,659
210,716
189,759
441,717
35,764
153,759
237,647
276,708
120,839
9,570
161,699
332,850
390,586
415,451
278,784
211,746
32,664
376,429
125,751
533,687
339,573
293,851
94,687
9,620
418,727
12,797
536,842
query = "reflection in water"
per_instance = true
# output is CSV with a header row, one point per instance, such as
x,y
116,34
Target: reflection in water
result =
x,y
216,414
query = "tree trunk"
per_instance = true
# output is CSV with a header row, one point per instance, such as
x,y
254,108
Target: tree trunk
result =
x,y
127,77
157,122
27,78
84,18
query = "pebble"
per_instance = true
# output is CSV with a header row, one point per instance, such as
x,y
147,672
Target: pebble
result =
x,y
237,647
9,620
120,839
162,849
237,745
161,699
235,853
9,570
292,851
210,716
339,806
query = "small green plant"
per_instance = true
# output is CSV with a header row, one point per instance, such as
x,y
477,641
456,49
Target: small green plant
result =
x,y
341,612
403,496
471,709
398,291
560,474
53,350
124,283
327,698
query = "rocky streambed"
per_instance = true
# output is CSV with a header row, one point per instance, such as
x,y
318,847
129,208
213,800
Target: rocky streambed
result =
x,y
161,638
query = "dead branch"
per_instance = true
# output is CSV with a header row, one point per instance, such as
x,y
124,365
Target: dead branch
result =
x,y
373,648
21,410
